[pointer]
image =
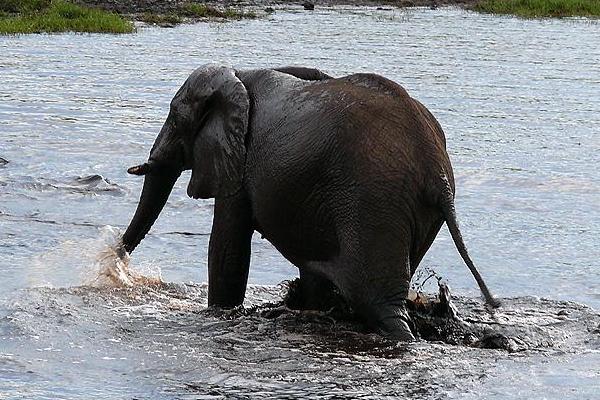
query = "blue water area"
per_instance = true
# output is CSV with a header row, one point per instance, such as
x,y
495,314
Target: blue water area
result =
x,y
519,102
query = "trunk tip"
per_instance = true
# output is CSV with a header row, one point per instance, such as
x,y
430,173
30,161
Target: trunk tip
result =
x,y
121,251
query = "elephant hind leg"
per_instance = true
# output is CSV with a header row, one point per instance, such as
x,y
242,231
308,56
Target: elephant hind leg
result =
x,y
424,238
377,290
389,319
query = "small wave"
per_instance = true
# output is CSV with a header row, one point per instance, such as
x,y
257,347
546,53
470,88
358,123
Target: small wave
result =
x,y
267,349
88,184
93,184
566,184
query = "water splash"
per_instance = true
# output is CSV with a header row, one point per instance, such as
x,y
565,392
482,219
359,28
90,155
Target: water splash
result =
x,y
112,265
93,262
162,342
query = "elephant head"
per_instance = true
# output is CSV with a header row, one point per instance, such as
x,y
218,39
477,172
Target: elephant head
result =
x,y
205,132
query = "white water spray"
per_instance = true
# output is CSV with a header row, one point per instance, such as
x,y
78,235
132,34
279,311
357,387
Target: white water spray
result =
x,y
112,265
90,262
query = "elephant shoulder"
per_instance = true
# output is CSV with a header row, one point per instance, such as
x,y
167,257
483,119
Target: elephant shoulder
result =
x,y
377,83
269,81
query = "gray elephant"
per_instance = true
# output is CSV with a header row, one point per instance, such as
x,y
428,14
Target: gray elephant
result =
x,y
347,177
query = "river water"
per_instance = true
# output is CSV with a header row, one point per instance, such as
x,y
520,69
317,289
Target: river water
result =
x,y
519,101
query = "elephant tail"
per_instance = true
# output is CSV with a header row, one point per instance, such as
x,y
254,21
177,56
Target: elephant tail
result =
x,y
449,213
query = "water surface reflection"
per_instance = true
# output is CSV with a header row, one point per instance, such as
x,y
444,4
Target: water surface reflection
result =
x,y
517,99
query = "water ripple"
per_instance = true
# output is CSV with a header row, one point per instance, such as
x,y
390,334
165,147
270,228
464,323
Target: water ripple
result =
x,y
518,100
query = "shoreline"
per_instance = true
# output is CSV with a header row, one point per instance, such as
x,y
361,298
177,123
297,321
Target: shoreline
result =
x,y
134,7
122,16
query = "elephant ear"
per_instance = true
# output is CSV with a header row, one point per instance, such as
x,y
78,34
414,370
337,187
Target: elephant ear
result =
x,y
219,151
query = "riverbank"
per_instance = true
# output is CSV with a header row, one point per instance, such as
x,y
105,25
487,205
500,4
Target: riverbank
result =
x,y
524,8
166,6
540,8
108,16
33,16
118,16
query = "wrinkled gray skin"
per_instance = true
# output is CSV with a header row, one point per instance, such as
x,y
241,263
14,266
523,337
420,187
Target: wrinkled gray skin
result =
x,y
348,178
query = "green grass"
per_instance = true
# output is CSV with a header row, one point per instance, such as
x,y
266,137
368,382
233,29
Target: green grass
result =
x,y
23,6
193,11
34,16
196,10
541,8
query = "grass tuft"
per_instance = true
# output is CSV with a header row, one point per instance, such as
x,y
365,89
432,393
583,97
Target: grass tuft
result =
x,y
541,8
35,16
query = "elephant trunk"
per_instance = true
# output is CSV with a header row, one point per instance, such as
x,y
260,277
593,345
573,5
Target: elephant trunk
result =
x,y
157,188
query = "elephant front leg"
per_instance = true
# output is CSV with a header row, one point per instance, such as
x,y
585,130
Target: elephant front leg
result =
x,y
229,251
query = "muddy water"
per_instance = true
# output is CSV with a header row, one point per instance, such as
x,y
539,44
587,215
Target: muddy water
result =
x,y
520,106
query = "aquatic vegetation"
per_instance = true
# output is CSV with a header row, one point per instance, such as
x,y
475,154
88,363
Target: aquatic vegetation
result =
x,y
34,16
541,8
194,11
206,11
159,19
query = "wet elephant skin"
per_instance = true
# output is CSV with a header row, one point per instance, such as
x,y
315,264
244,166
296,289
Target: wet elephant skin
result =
x,y
347,177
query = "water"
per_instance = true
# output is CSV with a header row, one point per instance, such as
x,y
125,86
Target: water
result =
x,y
519,104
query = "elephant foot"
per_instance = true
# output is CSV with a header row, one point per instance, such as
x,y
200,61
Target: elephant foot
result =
x,y
397,325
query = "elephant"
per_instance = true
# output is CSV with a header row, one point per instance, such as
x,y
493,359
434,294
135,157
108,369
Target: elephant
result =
x,y
347,177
